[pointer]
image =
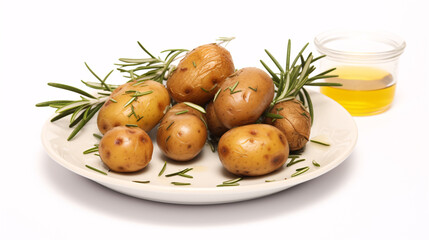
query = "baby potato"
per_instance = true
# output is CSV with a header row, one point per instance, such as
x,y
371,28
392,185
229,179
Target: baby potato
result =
x,y
182,133
253,150
243,97
216,127
138,103
295,124
200,73
126,149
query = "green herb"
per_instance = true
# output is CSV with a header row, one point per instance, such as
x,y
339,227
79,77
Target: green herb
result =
x,y
315,163
113,100
319,142
130,101
180,183
254,89
184,171
131,125
217,93
211,89
151,67
142,181
290,80
91,150
233,87
83,109
293,161
139,94
195,106
227,185
95,169
193,63
300,171
270,180
163,169
168,138
294,156
231,182
169,125
182,112
97,136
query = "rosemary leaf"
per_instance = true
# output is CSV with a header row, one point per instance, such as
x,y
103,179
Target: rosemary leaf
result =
x,y
95,169
195,106
70,88
163,169
319,142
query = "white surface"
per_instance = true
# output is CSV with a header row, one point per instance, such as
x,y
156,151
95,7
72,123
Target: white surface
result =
x,y
332,124
380,192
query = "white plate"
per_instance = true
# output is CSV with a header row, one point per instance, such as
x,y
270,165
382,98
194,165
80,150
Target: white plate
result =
x,y
332,124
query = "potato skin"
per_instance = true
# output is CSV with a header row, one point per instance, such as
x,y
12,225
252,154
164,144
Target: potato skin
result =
x,y
215,126
149,109
244,103
295,124
253,150
126,149
181,137
200,73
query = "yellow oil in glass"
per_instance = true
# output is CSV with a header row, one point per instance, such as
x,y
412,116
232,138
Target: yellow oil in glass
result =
x,y
365,91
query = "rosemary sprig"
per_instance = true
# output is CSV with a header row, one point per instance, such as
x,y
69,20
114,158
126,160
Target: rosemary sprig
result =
x,y
83,109
150,68
290,81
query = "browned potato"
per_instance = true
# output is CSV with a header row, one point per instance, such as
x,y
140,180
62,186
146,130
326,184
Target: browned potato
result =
x,y
253,150
182,133
243,97
126,149
295,124
216,128
142,104
200,73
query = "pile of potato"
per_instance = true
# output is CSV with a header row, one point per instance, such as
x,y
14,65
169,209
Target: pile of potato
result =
x,y
210,99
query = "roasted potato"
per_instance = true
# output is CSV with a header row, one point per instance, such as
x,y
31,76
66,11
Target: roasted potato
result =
x,y
243,97
126,149
214,125
139,103
253,150
182,133
295,122
200,73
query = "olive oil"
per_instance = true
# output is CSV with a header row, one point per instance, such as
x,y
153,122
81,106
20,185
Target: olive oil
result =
x,y
365,91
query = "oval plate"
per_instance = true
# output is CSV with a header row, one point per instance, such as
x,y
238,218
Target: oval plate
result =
x,y
332,124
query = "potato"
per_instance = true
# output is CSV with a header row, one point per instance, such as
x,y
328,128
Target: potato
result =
x,y
200,73
295,124
216,127
182,133
142,104
243,97
125,149
253,150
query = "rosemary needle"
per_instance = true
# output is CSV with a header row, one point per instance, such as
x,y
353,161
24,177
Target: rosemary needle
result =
x,y
142,181
180,183
300,171
163,169
95,169
319,142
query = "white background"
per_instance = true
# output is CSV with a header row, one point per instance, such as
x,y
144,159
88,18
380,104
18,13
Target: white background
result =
x,y
380,192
